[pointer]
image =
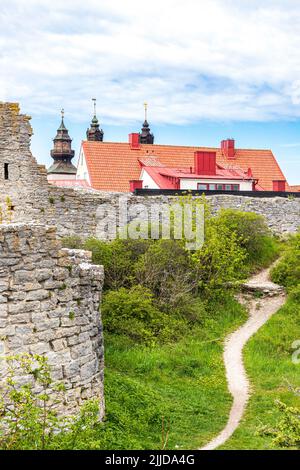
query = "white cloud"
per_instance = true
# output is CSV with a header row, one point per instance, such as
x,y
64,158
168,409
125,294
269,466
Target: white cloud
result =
x,y
190,59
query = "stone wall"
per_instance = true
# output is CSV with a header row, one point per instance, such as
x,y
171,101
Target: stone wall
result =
x,y
49,296
49,305
73,211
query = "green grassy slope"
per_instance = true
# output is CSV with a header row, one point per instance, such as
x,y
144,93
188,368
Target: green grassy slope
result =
x,y
184,382
268,361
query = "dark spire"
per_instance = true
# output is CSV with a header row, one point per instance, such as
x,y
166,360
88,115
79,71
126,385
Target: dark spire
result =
x,y
62,152
94,133
145,136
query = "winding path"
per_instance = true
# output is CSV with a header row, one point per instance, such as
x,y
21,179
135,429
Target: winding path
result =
x,y
260,310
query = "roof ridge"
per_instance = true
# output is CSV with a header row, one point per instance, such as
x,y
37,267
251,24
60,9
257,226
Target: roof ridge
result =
x,y
177,146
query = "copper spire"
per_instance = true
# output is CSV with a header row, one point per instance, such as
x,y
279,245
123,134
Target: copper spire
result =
x,y
145,136
94,133
62,152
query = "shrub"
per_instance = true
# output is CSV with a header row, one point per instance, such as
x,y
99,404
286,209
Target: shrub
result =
x,y
169,272
221,260
295,294
118,257
286,433
287,271
28,420
252,235
133,312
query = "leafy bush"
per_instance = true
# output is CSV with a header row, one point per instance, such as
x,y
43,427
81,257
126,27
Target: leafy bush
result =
x,y
169,272
287,271
235,243
133,312
28,420
286,433
221,260
118,257
252,235
294,294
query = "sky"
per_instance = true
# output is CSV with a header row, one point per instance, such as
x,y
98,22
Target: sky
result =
x,y
209,70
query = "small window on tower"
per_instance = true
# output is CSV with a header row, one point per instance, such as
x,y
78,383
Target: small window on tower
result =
x,y
6,171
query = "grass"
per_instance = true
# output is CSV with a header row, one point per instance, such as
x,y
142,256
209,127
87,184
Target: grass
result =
x,y
268,361
183,382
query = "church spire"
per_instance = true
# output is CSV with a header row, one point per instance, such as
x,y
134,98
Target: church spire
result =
x,y
62,152
145,136
94,133
62,125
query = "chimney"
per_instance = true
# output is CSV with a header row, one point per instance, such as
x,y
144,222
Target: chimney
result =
x,y
279,185
135,184
205,163
228,150
134,141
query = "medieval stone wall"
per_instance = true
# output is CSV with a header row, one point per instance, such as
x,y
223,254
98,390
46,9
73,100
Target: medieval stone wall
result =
x,y
49,305
74,211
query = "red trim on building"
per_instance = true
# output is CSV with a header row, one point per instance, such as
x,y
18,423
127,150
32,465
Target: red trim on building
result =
x,y
279,185
135,184
134,141
228,149
205,163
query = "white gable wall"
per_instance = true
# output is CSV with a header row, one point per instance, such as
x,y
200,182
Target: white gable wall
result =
x,y
148,182
82,169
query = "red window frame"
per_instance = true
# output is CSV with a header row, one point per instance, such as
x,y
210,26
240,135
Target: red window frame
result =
x,y
218,184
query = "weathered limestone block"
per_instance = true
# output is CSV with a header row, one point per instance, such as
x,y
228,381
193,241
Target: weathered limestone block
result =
x,y
43,310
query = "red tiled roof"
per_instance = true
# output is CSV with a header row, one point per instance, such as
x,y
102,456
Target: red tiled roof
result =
x,y
161,175
112,165
221,173
295,189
